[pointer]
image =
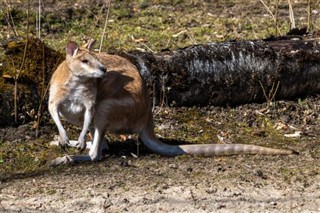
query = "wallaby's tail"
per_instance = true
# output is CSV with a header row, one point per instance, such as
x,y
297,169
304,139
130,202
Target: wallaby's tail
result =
x,y
150,140
232,149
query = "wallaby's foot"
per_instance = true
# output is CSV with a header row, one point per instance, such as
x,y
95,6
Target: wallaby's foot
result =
x,y
61,160
74,143
71,159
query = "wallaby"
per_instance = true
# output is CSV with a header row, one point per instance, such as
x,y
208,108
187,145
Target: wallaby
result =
x,y
109,91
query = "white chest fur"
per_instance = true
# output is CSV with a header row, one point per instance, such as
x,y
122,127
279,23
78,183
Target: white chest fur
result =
x,y
81,95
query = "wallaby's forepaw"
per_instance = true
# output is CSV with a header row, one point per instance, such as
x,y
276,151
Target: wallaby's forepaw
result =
x,y
74,143
62,141
81,146
61,160
64,145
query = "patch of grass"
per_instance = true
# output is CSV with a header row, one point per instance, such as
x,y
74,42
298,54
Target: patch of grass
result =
x,y
22,157
157,21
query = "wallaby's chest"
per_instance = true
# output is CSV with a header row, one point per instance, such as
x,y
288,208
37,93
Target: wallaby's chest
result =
x,y
77,99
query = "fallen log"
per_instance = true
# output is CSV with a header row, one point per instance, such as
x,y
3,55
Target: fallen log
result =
x,y
233,72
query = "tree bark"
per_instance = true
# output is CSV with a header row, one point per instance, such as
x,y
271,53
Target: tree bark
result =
x,y
233,72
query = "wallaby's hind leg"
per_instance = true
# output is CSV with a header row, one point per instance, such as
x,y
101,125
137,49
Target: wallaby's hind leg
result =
x,y
96,150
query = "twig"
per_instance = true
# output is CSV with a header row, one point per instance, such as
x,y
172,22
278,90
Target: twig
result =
x,y
98,16
43,95
277,10
162,94
264,91
309,16
275,91
138,146
39,20
191,38
18,72
153,96
43,92
15,91
270,97
146,46
273,17
9,19
39,114
291,16
105,26
268,9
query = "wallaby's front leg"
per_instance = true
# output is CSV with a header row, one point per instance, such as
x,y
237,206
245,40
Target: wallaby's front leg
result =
x,y
86,124
63,139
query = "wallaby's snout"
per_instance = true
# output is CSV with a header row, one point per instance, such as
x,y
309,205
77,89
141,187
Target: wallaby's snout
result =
x,y
103,69
99,72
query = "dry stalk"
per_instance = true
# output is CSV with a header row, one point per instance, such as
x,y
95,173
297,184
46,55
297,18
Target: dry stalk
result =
x,y
272,15
98,17
138,143
272,93
309,16
39,20
153,96
291,16
276,17
18,71
16,78
146,46
191,37
15,91
105,26
162,94
9,18
43,93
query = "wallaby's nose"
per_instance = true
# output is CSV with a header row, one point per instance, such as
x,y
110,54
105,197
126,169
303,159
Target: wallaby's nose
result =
x,y
103,69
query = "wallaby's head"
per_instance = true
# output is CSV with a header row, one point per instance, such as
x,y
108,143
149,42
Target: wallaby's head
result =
x,y
82,62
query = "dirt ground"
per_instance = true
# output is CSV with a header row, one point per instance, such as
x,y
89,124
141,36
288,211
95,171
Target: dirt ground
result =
x,y
150,183
156,184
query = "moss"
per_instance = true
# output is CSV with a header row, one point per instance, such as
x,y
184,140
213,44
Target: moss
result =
x,y
35,72
40,61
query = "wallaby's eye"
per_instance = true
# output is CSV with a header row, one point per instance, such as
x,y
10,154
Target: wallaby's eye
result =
x,y
85,61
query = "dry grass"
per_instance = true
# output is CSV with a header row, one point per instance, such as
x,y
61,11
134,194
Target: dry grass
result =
x,y
156,25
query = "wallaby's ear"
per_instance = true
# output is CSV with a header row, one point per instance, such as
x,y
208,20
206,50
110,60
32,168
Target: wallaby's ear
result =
x,y
89,44
71,48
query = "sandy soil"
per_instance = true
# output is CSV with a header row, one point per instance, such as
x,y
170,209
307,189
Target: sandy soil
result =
x,y
184,184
